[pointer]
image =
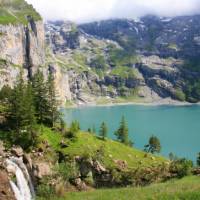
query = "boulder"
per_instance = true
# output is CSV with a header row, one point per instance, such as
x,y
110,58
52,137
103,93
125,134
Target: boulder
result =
x,y
5,189
2,148
98,167
80,184
17,151
41,170
121,164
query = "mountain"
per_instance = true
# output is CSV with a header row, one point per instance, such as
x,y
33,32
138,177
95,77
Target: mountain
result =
x,y
21,40
120,60
147,60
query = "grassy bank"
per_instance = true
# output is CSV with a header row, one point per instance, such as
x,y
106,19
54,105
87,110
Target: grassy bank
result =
x,y
184,189
87,144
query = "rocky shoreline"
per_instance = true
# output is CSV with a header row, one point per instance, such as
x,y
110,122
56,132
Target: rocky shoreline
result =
x,y
163,102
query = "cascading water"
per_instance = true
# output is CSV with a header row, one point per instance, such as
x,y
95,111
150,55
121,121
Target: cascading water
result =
x,y
23,188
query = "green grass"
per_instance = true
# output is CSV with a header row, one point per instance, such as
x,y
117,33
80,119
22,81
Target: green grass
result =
x,y
16,11
184,189
124,72
87,144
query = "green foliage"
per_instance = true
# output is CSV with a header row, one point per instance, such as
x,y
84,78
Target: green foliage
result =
x,y
44,190
16,11
52,102
21,117
40,93
5,93
99,62
122,133
193,90
192,64
153,146
103,132
180,95
183,189
198,159
121,57
124,72
68,171
73,130
182,167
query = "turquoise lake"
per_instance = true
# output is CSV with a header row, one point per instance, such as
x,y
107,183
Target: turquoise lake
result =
x,y
177,127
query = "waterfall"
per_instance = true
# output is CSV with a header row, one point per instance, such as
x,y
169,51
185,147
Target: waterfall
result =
x,y
23,188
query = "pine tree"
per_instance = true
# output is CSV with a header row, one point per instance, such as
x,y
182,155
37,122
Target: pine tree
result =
x,y
198,159
40,92
22,114
153,146
53,113
122,133
103,131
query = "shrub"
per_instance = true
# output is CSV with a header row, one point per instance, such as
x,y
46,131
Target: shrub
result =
x,y
181,167
180,95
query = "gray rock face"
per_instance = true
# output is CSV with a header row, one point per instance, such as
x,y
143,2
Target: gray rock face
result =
x,y
21,46
62,36
151,35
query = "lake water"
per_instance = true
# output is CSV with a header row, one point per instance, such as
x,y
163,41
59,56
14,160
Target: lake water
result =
x,y
177,127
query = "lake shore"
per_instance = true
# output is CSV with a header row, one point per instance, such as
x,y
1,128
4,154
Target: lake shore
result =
x,y
162,102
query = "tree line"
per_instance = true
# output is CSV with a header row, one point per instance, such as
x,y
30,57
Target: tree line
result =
x,y
122,135
27,104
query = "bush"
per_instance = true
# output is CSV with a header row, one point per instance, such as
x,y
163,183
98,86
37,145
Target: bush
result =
x,y
74,129
44,190
181,167
68,171
180,95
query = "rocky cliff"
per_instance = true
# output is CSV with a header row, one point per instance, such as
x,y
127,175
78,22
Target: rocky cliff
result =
x,y
147,60
150,59
21,43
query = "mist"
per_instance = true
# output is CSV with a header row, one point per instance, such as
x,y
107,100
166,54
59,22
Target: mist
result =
x,y
81,11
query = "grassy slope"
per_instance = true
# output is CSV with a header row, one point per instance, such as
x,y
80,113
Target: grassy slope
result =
x,y
88,144
185,189
16,11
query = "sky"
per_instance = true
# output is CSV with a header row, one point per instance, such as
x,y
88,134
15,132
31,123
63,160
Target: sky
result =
x,y
81,11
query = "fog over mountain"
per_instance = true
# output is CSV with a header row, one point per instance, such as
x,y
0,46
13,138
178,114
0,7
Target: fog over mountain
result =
x,y
90,10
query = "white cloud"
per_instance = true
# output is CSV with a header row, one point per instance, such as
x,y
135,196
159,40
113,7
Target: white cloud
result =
x,y
90,10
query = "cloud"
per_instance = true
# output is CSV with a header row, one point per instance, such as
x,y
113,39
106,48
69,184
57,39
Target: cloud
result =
x,y
91,10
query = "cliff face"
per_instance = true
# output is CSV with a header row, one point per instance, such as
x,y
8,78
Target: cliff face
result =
x,y
152,58
23,45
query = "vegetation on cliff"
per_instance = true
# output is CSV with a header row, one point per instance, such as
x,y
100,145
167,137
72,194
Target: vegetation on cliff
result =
x,y
17,12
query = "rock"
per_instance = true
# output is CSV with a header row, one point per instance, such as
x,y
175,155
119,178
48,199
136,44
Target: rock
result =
x,y
80,184
5,189
17,151
28,161
20,45
41,170
98,167
2,148
121,164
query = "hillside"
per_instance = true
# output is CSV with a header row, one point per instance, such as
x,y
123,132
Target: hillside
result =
x,y
16,12
186,188
87,145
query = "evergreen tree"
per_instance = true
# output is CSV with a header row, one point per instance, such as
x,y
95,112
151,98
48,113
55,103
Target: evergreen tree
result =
x,y
53,113
103,130
40,92
122,133
154,145
198,159
73,130
22,114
